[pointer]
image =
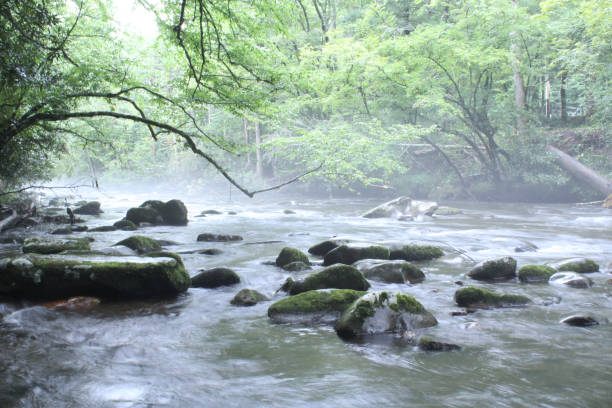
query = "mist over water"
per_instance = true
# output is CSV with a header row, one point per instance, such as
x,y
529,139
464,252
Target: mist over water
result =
x,y
197,350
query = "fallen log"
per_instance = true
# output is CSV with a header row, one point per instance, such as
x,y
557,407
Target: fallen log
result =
x,y
10,221
581,172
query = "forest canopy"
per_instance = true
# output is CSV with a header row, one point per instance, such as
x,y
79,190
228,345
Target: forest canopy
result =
x,y
434,97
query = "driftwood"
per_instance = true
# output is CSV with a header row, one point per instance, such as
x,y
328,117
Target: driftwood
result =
x,y
10,221
581,172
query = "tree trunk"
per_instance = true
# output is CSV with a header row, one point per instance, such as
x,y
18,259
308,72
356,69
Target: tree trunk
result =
x,y
519,85
258,158
247,142
563,98
581,172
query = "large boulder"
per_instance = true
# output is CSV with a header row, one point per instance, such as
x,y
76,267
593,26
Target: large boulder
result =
x,y
174,212
412,253
44,245
138,215
390,271
64,276
140,244
393,208
336,276
324,247
535,273
209,237
571,279
91,208
383,312
214,278
471,296
288,255
578,265
248,297
348,254
498,269
156,212
125,225
156,205
313,307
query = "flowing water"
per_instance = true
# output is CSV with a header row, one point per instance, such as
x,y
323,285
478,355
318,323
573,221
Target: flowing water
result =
x,y
199,351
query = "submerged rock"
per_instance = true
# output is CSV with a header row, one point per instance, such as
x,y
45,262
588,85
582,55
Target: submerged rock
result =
x,y
63,276
140,244
397,271
288,255
535,273
313,307
580,321
208,237
471,296
104,228
337,276
324,247
494,269
125,225
248,297
383,312
210,251
44,245
348,254
416,253
296,266
90,208
429,344
579,265
213,278
570,279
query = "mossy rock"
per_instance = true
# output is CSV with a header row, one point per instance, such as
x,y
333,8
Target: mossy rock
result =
x,y
348,254
209,237
324,247
337,277
313,307
288,255
63,276
428,344
214,278
579,265
248,297
174,212
139,215
104,228
43,245
156,205
535,273
125,225
397,271
90,208
416,253
498,269
140,244
471,296
296,266
383,312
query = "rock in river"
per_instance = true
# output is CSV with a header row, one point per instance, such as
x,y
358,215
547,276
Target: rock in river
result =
x,y
90,208
156,212
390,271
313,307
140,244
471,296
383,312
214,278
336,276
494,269
324,247
579,265
571,279
535,273
63,276
208,237
429,344
288,255
347,254
416,253
248,297
43,245
580,321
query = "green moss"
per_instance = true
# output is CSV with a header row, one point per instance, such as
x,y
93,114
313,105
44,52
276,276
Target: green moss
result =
x,y
579,266
338,276
125,225
409,304
417,253
42,245
471,296
315,301
140,244
288,255
535,273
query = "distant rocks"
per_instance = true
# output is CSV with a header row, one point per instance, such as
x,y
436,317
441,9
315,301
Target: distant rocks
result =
x,y
209,237
90,208
214,278
498,269
156,212
402,207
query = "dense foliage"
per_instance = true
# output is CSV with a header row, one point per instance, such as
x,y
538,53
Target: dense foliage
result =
x,y
388,94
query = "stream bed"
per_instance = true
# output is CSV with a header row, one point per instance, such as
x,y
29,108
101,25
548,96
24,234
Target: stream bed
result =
x,y
197,350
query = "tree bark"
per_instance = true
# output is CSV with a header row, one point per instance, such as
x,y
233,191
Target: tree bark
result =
x,y
563,98
258,158
519,85
247,142
581,172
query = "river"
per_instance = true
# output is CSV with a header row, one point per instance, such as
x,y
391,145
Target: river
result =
x,y
199,351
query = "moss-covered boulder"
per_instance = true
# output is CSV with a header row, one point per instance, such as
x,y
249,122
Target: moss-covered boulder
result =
x,y
578,265
138,215
571,279
324,247
471,296
248,297
90,208
104,228
535,273
209,237
140,244
416,253
348,254
313,307
288,255
64,276
296,266
337,277
174,212
44,245
498,269
125,225
390,271
383,312
428,344
214,278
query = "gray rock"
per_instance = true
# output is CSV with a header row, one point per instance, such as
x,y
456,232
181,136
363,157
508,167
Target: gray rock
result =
x,y
43,245
140,244
248,297
213,278
288,255
296,266
390,271
90,208
571,279
428,344
393,208
324,247
209,237
580,321
348,254
494,269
